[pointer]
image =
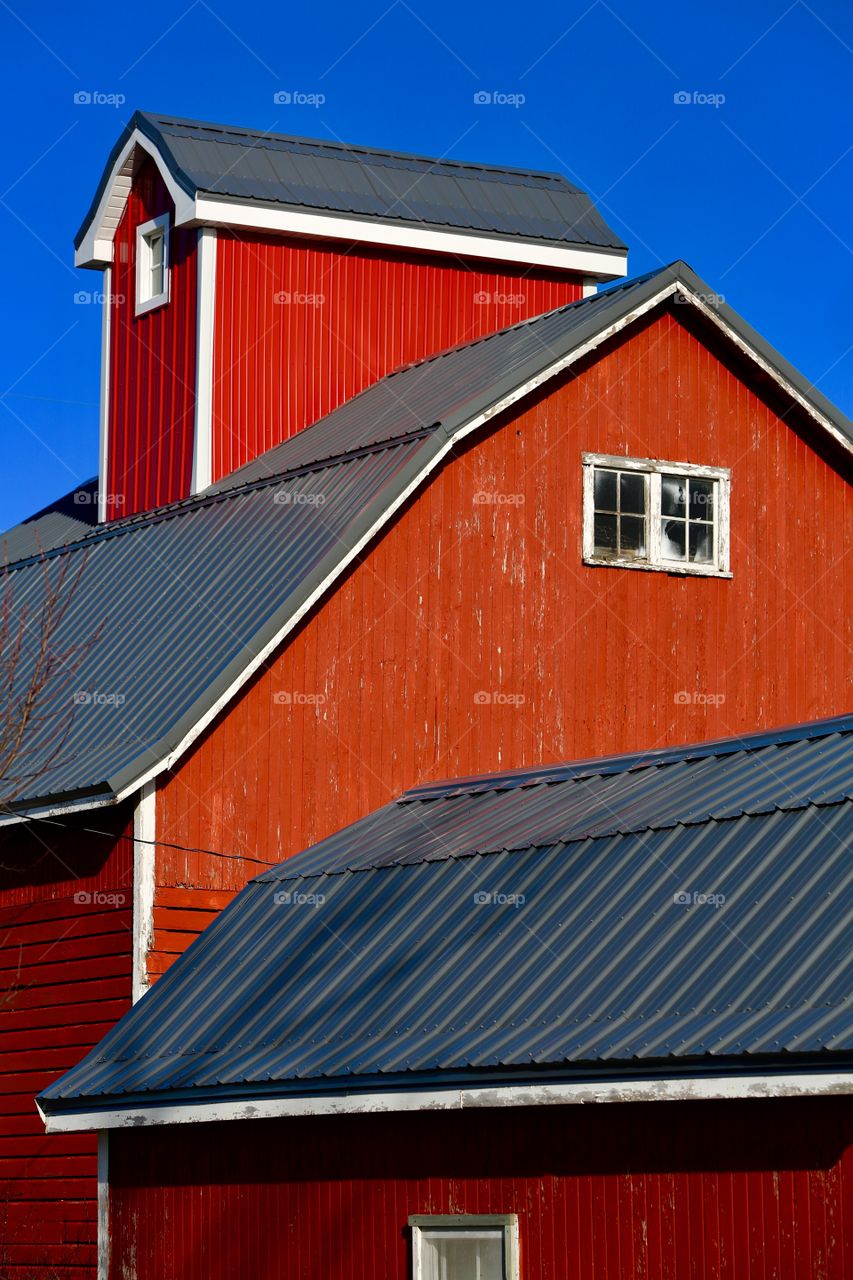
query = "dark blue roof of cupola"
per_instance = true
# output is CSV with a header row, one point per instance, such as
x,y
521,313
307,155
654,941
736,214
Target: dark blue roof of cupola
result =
x,y
680,911
364,182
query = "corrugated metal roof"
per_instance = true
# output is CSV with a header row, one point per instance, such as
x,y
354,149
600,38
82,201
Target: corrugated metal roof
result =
x,y
366,183
71,517
224,572
486,928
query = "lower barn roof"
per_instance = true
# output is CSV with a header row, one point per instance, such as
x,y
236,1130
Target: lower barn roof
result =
x,y
687,908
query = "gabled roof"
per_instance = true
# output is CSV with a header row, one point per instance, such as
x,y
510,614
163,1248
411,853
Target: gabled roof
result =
x,y
228,574
71,517
244,167
686,910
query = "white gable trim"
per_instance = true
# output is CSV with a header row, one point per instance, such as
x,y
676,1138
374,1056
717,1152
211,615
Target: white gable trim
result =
x,y
802,1084
205,321
96,247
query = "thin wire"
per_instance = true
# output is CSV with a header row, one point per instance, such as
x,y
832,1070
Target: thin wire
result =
x,y
165,844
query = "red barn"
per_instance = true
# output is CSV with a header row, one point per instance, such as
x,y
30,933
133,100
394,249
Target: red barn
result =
x,y
387,493
586,1019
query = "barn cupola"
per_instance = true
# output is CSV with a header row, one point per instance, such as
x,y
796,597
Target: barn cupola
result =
x,y
253,282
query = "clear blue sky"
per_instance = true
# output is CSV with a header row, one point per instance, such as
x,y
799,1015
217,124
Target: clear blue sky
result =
x,y
754,191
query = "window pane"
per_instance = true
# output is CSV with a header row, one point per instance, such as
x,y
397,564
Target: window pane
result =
x,y
632,493
673,539
463,1259
673,496
701,499
605,535
155,245
605,490
632,536
702,543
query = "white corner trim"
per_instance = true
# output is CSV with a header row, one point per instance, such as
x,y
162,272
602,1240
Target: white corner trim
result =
x,y
97,246
604,264
589,288
103,1205
205,322
144,853
104,423
683,1089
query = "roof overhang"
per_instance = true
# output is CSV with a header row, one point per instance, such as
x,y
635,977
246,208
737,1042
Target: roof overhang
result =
x,y
789,1084
94,246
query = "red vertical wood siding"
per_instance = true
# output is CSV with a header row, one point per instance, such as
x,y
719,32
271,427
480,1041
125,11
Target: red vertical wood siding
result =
x,y
459,596
152,365
301,326
666,1191
66,901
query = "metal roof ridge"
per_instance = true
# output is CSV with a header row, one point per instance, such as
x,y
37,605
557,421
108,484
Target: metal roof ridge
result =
x,y
351,150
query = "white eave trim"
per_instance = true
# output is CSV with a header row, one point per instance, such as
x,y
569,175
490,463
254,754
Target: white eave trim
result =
x,y
96,249
602,264
684,1089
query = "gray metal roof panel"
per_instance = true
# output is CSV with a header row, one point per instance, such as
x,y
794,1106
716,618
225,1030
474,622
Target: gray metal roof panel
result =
x,y
363,182
582,956
61,522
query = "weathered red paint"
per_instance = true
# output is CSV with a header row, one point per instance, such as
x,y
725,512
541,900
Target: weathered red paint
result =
x,y
301,326
65,972
462,596
653,1191
152,365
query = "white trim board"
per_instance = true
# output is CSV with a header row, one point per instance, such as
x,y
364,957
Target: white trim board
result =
x,y
104,410
203,209
103,1270
683,1089
205,321
144,853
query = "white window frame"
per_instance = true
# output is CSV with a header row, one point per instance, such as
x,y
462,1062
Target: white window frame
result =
x,y
146,301
654,469
466,1224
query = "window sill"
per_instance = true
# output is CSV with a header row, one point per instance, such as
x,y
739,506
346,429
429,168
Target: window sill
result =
x,y
675,570
151,304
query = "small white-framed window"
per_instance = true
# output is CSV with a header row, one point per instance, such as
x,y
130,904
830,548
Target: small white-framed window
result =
x,y
152,264
464,1247
641,513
